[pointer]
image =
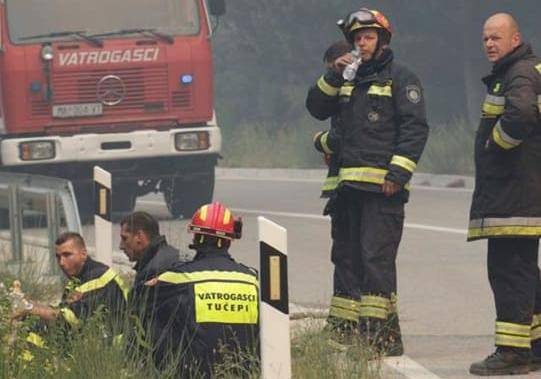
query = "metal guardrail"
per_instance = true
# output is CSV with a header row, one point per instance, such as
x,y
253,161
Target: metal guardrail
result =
x,y
47,195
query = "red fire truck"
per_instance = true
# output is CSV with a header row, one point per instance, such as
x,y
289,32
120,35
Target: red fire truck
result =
x,y
126,85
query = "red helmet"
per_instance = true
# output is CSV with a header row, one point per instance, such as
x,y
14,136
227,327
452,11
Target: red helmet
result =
x,y
366,18
216,220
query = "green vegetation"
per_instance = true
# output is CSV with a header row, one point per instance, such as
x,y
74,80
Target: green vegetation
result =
x,y
88,353
449,150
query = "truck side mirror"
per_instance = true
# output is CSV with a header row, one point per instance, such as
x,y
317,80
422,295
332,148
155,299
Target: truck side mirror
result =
x,y
216,7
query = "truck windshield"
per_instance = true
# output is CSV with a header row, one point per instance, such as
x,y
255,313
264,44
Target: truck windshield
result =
x,y
46,17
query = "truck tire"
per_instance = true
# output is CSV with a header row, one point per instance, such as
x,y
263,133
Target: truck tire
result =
x,y
183,197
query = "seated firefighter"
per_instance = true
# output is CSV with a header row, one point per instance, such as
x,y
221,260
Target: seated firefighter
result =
x,y
207,308
92,287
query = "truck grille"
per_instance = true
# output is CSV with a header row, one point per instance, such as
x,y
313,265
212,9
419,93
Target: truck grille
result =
x,y
182,98
141,85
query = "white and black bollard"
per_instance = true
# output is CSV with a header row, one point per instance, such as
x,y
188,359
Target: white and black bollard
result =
x,y
274,301
103,226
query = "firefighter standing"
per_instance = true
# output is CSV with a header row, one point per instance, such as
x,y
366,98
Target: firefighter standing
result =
x,y
382,115
506,204
92,286
209,305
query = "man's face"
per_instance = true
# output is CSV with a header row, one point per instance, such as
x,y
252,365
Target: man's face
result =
x,y
367,41
70,257
499,39
132,244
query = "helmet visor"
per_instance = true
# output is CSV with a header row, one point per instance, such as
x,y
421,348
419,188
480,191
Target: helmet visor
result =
x,y
363,16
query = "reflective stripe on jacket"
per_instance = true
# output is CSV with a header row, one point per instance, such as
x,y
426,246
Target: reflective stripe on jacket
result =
x,y
507,197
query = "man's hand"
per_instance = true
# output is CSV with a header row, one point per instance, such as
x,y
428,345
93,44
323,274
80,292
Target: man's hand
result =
x,y
327,159
390,188
19,314
341,62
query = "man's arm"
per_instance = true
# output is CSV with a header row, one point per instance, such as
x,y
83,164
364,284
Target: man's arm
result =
x,y
412,129
322,99
520,113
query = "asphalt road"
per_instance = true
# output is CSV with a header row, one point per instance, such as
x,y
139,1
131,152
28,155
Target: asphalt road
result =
x,y
446,307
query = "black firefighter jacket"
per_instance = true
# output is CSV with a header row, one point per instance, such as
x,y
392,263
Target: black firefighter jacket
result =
x,y
97,288
157,258
507,197
205,308
382,120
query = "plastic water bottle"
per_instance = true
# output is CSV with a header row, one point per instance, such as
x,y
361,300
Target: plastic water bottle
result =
x,y
351,69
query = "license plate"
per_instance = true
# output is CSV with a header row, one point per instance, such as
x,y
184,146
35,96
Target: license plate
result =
x,y
77,110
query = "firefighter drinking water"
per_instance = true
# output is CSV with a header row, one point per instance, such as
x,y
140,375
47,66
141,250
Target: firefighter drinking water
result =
x,y
384,130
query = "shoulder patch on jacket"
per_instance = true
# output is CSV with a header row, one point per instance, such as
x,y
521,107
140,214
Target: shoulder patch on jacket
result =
x,y
413,93
538,68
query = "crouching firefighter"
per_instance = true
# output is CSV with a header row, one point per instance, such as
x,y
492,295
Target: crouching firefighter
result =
x,y
207,308
93,288
383,134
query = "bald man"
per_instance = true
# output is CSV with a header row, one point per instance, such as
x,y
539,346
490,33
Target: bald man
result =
x,y
506,203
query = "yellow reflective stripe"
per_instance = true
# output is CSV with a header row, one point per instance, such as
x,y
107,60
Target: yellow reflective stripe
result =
x,y
503,139
363,174
378,301
324,145
69,316
227,216
203,213
123,287
404,162
35,340
539,102
346,90
535,332
344,314
345,303
199,276
326,88
538,68
512,341
373,312
380,90
493,109
98,283
331,182
393,308
494,231
512,328
230,303
374,306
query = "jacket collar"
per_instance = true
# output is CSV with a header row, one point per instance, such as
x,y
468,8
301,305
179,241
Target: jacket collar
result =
x,y
507,61
85,270
150,252
210,251
520,52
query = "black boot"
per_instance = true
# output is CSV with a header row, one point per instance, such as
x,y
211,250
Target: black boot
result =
x,y
504,361
342,333
373,334
393,346
536,355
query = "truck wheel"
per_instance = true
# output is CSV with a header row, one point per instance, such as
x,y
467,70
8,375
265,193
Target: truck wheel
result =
x,y
184,197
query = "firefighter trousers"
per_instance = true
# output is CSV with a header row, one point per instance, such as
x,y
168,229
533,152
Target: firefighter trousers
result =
x,y
366,232
513,274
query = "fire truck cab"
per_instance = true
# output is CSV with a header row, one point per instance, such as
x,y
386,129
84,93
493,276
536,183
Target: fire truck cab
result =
x,y
124,85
